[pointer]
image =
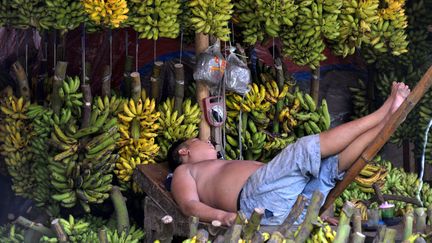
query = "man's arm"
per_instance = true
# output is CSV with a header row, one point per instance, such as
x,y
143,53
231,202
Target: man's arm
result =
x,y
185,193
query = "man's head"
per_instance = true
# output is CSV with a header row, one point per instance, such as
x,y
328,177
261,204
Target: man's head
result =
x,y
190,151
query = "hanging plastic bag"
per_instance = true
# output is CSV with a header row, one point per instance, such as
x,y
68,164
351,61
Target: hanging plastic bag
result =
x,y
210,66
237,75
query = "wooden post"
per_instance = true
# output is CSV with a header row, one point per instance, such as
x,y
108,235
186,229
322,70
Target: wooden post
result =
x,y
106,81
59,76
201,44
311,216
314,91
21,76
390,126
136,86
87,98
57,228
179,88
156,81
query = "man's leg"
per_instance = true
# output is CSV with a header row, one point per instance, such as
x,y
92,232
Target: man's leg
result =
x,y
354,149
338,138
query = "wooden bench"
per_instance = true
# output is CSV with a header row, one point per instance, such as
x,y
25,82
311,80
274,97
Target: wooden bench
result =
x,y
159,202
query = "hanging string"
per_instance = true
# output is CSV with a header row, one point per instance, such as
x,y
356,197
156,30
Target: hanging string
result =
x,y
154,50
110,52
240,128
26,51
232,31
273,48
83,54
55,49
181,45
136,51
422,162
126,43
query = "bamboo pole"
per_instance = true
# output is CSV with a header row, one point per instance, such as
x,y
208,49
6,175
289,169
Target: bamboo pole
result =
x,y
59,76
311,216
420,219
390,126
87,98
357,237
193,226
120,208
21,76
34,226
167,229
295,212
201,44
408,224
156,81
136,86
253,224
232,235
58,229
106,81
102,235
179,88
342,234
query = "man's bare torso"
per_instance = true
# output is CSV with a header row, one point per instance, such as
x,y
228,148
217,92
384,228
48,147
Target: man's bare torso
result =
x,y
220,181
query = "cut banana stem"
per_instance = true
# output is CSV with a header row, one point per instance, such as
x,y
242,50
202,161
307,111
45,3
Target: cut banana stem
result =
x,y
24,89
59,76
106,81
179,87
156,81
408,224
122,214
136,86
342,234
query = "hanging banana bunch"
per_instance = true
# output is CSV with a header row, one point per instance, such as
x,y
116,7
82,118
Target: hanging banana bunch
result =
x,y
26,14
16,134
155,18
63,15
6,13
359,97
106,12
211,17
177,125
138,129
265,17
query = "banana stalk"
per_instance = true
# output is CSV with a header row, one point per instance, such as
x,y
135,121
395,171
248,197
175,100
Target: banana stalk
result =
x,y
120,208
156,81
59,76
179,87
136,86
408,225
253,224
311,215
342,233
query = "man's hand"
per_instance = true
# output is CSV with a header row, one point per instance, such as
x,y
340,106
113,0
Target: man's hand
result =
x,y
330,220
228,218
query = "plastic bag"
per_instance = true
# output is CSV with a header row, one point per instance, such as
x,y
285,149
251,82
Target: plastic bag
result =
x,y
210,66
237,75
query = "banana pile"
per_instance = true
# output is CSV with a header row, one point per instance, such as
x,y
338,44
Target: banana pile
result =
x,y
321,232
176,125
80,160
82,230
299,116
11,234
359,97
211,17
106,12
155,18
370,175
64,15
41,119
260,18
138,128
16,134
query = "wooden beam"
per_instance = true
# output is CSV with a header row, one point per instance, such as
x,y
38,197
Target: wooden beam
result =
x,y
395,120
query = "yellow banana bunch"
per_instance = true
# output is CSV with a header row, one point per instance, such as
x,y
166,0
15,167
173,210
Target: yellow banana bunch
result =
x,y
16,134
155,18
114,103
107,12
211,17
177,125
321,232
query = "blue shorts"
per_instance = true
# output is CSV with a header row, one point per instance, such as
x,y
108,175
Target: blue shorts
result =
x,y
298,169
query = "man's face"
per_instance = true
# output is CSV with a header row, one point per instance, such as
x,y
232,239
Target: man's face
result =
x,y
200,150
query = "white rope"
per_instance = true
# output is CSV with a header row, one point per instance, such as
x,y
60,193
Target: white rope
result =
x,y
422,162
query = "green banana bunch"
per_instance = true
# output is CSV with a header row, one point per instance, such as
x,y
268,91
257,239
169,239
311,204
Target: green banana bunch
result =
x,y
75,230
70,94
11,234
6,13
176,125
360,100
260,18
114,103
16,136
134,235
155,18
211,17
303,42
63,15
27,13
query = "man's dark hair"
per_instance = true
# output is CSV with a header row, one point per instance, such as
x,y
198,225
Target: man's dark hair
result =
x,y
173,157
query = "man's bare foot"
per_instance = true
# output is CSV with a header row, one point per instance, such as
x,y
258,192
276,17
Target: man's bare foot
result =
x,y
386,107
402,92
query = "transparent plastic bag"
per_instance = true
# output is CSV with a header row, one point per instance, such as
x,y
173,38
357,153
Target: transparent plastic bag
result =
x,y
210,66
237,75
